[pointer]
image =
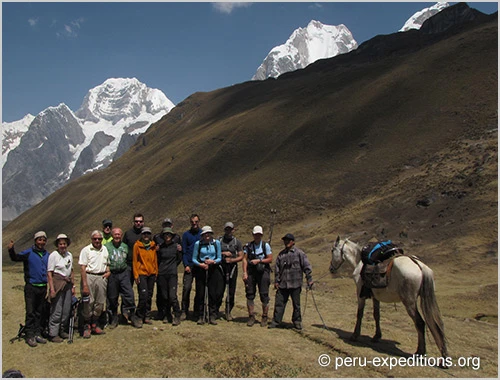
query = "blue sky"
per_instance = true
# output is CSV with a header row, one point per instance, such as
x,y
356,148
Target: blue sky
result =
x,y
54,53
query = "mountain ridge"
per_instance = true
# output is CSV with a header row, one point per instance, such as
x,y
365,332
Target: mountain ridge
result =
x,y
371,132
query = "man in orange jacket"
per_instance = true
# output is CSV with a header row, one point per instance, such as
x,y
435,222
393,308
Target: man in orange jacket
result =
x,y
145,269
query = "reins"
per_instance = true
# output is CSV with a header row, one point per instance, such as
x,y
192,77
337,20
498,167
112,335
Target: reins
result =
x,y
342,255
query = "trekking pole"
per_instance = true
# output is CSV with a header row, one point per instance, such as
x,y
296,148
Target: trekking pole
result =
x,y
273,218
20,333
228,277
205,306
74,315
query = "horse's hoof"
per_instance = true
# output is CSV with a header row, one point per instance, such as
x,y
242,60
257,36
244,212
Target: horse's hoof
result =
x,y
376,338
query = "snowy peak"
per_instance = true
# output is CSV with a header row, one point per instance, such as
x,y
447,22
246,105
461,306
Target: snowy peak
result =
x,y
305,46
416,21
12,133
122,98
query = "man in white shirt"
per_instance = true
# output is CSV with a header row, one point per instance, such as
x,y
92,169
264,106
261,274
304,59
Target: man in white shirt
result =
x,y
94,266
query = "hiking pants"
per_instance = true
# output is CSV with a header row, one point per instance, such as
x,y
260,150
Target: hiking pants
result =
x,y
215,289
261,279
119,284
167,291
145,287
231,274
281,301
34,297
187,285
98,293
60,310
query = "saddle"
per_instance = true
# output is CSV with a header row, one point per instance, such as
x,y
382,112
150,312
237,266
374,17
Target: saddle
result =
x,y
378,259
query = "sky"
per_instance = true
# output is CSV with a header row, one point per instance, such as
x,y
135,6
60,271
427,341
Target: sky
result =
x,y
56,52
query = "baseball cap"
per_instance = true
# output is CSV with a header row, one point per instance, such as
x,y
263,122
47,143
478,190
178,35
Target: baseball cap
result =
x,y
289,237
257,230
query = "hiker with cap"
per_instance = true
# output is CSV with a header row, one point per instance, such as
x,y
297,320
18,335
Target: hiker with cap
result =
x,y
207,257
232,254
35,261
291,263
257,272
145,269
119,282
61,282
94,268
165,310
189,238
107,226
169,257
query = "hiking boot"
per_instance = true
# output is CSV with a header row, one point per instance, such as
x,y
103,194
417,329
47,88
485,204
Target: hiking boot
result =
x,y
31,342
201,321
136,321
114,321
96,330
263,322
176,321
56,339
183,316
148,321
229,317
86,331
165,320
273,325
64,335
297,325
251,320
212,320
40,339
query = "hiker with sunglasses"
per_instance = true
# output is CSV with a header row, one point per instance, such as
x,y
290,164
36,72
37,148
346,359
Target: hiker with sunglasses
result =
x,y
94,268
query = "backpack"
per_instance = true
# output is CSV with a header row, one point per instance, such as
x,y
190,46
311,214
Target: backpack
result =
x,y
377,252
215,244
231,244
251,255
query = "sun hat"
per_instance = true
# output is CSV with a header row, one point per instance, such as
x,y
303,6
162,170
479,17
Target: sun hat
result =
x,y
146,230
257,230
167,230
206,230
40,234
62,236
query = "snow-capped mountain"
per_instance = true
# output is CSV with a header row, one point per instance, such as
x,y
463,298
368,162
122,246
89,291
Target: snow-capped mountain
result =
x,y
59,145
12,133
305,46
416,21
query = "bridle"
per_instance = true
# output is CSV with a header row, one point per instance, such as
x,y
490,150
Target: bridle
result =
x,y
342,256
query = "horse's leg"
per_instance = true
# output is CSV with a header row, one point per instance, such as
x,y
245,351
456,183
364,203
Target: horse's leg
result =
x,y
361,310
412,310
376,316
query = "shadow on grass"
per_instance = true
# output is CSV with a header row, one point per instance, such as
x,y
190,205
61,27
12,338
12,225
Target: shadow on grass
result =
x,y
383,346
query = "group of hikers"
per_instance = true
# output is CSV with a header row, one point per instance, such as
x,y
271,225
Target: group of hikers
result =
x,y
114,261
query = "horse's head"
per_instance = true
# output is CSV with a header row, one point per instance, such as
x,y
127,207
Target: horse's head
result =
x,y
338,257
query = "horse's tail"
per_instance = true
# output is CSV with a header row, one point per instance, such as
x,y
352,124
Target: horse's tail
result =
x,y
430,309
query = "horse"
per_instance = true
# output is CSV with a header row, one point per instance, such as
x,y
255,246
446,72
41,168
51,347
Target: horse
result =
x,y
409,279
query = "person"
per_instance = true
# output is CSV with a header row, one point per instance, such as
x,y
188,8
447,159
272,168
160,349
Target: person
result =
x,y
145,270
129,238
107,226
164,310
94,268
290,264
232,254
169,257
35,261
61,282
257,272
189,238
207,257
119,282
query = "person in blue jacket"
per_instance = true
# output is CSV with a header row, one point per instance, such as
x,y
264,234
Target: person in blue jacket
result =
x,y
35,260
189,237
207,256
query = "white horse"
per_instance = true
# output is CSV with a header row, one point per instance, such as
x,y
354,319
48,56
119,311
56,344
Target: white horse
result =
x,y
409,278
